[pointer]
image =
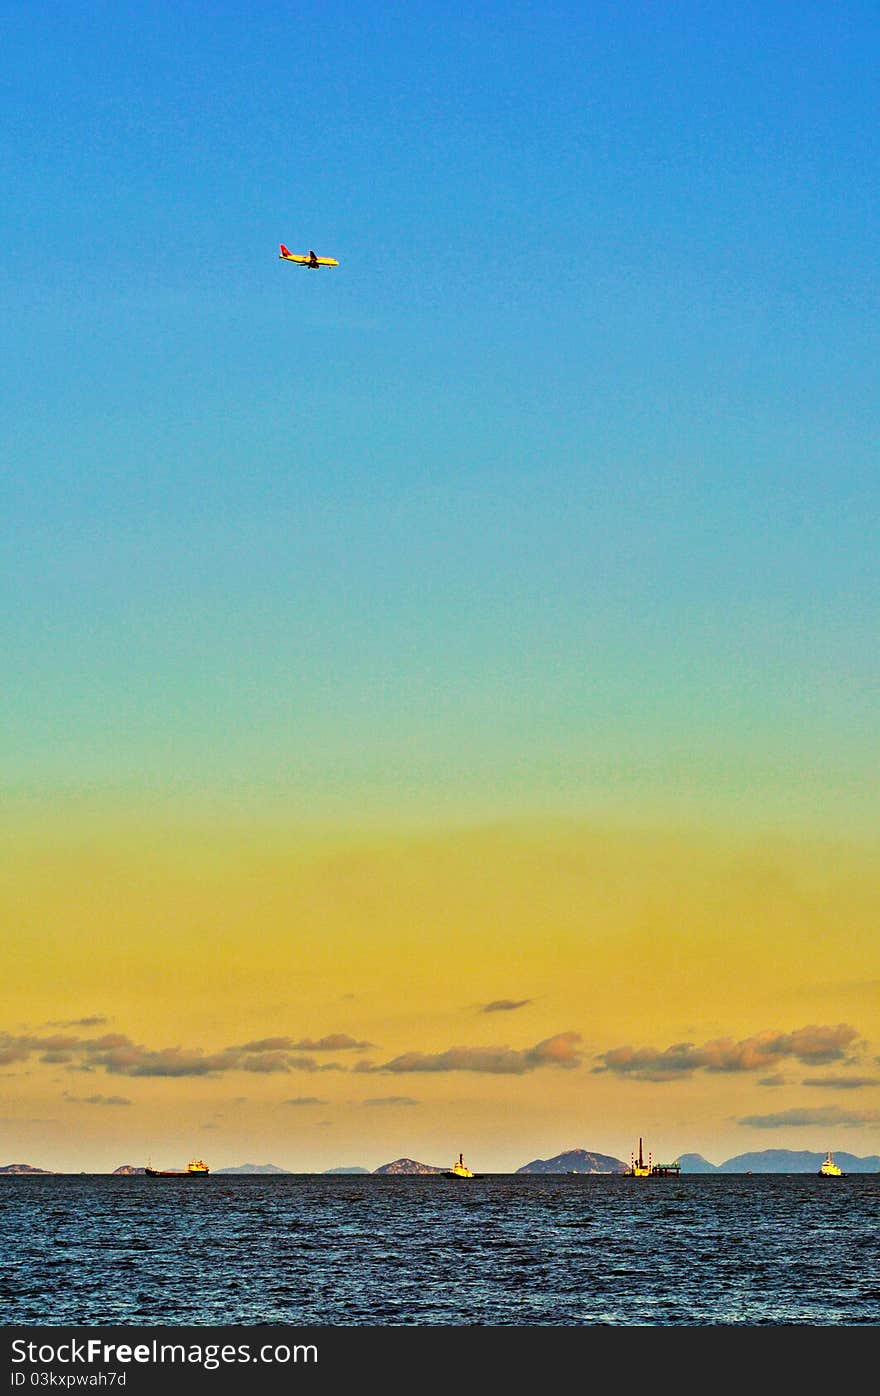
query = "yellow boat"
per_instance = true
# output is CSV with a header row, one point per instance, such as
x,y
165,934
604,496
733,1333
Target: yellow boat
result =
x,y
829,1168
459,1170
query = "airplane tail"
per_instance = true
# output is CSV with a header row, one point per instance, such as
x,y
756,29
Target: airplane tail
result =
x,y
285,251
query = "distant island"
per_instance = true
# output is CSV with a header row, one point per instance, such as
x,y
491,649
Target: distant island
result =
x,y
779,1161
575,1161
572,1161
408,1165
765,1161
253,1168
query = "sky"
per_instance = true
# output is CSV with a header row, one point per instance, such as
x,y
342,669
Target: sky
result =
x,y
440,692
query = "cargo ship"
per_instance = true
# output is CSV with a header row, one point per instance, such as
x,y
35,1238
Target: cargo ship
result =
x,y
196,1168
459,1170
642,1168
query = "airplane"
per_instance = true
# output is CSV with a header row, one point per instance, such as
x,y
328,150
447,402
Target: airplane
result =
x,y
310,261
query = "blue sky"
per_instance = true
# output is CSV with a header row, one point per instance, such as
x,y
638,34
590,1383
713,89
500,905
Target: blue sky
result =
x,y
563,483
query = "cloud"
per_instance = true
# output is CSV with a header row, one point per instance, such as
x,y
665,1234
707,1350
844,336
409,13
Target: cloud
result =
x,y
772,1081
390,1100
98,1099
127,1058
824,1115
812,1045
94,1022
118,1055
266,1044
505,1005
304,1100
334,1042
20,1048
561,1050
843,1083
816,1045
308,1064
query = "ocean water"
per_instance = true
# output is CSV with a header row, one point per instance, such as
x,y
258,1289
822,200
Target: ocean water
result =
x,y
98,1250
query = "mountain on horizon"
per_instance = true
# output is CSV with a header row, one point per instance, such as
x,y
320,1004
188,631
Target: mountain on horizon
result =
x,y
572,1161
253,1168
765,1161
794,1161
695,1163
407,1165
575,1161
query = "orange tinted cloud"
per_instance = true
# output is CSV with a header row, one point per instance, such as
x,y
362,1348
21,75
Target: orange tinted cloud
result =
x,y
333,1042
824,1115
561,1050
813,1045
118,1055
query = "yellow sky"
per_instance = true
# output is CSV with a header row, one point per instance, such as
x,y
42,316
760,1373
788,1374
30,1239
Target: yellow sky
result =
x,y
192,942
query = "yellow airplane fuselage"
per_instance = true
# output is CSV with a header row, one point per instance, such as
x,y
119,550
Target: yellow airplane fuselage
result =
x,y
304,261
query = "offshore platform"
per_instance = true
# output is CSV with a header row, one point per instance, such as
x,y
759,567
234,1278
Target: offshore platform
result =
x,y
642,1168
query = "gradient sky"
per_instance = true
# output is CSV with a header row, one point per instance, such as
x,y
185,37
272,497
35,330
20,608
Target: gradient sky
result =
x,y
440,693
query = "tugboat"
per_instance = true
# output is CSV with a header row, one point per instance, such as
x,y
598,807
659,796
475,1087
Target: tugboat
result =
x,y
459,1170
638,1168
830,1169
196,1168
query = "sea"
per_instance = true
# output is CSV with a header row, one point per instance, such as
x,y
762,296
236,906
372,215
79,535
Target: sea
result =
x,y
501,1250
